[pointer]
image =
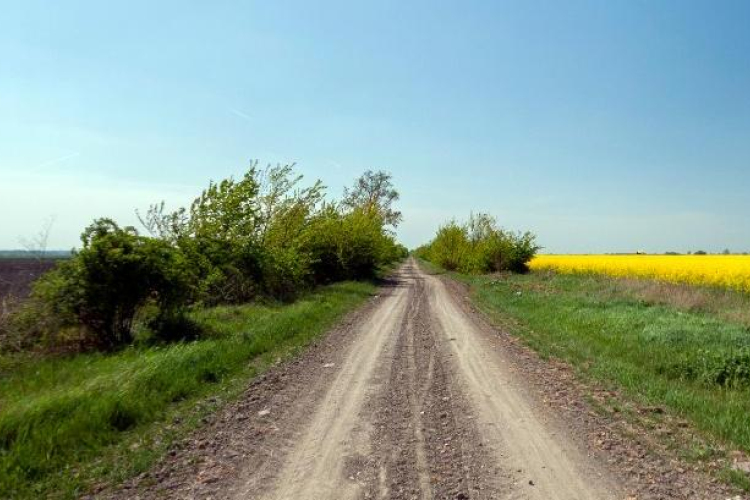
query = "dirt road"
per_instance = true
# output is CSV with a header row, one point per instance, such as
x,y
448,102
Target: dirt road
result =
x,y
414,397
416,353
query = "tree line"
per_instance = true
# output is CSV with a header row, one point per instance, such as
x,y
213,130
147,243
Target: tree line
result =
x,y
263,236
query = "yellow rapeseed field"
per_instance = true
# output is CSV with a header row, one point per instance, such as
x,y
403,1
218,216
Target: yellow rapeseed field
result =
x,y
732,271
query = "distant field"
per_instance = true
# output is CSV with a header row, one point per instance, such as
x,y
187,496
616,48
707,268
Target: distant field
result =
x,y
730,271
17,274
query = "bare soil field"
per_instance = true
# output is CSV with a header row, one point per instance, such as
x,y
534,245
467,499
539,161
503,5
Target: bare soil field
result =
x,y
16,275
416,396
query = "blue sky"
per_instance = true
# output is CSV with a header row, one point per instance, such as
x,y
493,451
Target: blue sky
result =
x,y
601,126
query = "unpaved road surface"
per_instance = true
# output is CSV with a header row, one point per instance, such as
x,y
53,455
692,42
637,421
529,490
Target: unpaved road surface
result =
x,y
415,397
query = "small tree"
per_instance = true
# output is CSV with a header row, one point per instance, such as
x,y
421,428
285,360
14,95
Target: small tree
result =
x,y
228,210
159,223
374,191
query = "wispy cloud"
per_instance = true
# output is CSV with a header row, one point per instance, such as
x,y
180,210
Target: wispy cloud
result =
x,y
335,164
242,115
55,161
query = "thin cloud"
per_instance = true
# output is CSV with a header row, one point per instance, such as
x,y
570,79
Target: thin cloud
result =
x,y
242,115
55,161
335,164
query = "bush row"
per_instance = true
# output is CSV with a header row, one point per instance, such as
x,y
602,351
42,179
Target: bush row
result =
x,y
262,236
479,246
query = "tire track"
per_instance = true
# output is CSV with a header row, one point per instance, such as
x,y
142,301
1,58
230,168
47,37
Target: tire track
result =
x,y
416,391
426,444
399,442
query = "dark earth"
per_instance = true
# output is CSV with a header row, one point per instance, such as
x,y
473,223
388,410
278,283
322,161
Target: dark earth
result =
x,y
16,275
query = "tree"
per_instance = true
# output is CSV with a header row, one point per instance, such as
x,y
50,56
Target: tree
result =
x,y
284,207
169,226
374,191
228,210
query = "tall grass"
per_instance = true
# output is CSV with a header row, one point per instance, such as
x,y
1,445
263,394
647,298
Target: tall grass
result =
x,y
59,416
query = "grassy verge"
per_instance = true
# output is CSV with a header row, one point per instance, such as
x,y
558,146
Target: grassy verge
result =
x,y
687,356
67,425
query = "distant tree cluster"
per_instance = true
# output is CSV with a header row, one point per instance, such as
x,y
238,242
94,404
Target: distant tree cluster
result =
x,y
479,246
726,251
260,236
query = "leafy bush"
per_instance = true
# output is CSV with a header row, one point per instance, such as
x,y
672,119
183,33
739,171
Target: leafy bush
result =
x,y
450,247
349,245
286,272
363,243
226,272
323,241
116,272
479,246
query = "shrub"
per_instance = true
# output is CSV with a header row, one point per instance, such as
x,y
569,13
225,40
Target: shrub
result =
x,y
116,272
323,242
450,246
349,245
286,272
363,244
225,271
479,246
511,251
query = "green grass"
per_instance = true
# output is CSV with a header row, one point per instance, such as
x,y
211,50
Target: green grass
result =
x,y
70,423
656,352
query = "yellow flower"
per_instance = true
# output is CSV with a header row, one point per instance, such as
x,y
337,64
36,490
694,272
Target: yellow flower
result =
x,y
731,271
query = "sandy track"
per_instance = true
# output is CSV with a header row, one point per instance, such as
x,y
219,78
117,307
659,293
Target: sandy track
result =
x,y
414,397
